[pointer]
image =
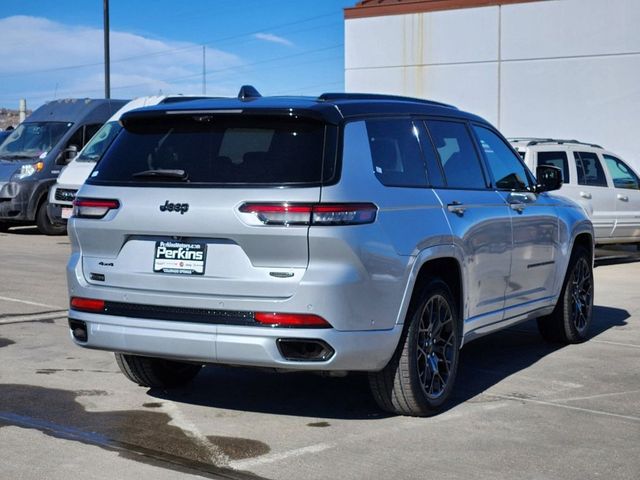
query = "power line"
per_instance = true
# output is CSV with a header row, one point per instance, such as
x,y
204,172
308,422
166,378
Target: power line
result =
x,y
208,72
167,51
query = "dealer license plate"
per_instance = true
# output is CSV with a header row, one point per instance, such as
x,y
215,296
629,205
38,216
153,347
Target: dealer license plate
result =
x,y
180,258
66,213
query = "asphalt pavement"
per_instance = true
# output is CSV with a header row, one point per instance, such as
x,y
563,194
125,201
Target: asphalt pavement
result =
x,y
522,408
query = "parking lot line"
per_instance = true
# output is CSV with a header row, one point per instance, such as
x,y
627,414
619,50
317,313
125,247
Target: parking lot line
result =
x,y
276,457
568,407
601,395
615,343
28,302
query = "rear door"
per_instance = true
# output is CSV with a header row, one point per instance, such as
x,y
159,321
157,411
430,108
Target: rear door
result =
x,y
180,182
593,192
479,219
626,185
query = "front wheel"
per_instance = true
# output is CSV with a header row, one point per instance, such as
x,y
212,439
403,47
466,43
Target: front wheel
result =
x,y
156,372
419,377
570,320
44,223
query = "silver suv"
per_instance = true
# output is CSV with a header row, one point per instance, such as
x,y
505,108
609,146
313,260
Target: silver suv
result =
x,y
348,232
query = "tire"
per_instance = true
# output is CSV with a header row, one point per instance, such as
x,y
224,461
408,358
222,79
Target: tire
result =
x,y
415,382
44,223
156,372
4,227
570,320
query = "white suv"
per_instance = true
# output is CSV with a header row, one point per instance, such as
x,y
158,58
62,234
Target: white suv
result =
x,y
604,185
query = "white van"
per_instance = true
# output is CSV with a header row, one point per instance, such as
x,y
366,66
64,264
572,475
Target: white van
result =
x,y
607,187
62,194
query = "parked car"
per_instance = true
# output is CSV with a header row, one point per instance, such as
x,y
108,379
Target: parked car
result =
x,y
62,194
348,232
34,153
607,187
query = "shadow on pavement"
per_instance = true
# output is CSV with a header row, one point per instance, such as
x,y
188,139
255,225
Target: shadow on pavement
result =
x,y
484,363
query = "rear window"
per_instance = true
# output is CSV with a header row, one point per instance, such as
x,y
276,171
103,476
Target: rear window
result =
x,y
224,150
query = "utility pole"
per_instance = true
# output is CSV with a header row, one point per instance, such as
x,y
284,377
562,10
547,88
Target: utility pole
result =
x,y
204,70
107,61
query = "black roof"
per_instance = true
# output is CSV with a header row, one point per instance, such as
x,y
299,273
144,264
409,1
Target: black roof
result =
x,y
328,107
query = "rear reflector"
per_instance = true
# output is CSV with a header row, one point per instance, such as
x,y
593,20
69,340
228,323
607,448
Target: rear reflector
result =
x,y
312,214
291,320
87,304
93,207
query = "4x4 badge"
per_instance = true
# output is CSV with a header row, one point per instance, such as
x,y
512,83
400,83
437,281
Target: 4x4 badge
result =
x,y
174,207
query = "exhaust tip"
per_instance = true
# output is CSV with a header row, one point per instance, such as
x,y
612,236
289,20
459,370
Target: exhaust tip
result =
x,y
304,350
79,330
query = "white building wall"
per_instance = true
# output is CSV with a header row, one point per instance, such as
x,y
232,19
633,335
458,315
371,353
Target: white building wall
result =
x,y
556,68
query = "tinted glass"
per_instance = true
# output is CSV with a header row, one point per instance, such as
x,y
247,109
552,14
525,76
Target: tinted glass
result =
x,y
506,167
395,152
623,176
216,150
556,159
99,142
31,139
90,131
589,169
457,155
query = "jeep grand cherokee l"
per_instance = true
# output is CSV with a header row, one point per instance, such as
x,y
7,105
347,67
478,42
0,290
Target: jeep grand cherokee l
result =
x,y
348,232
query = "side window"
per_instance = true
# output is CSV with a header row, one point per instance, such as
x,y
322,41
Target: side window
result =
x,y
507,169
76,138
589,169
457,155
556,159
90,131
395,151
623,176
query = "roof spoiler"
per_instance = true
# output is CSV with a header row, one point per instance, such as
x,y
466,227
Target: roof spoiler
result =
x,y
248,92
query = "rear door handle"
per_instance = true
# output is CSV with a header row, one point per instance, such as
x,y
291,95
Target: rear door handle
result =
x,y
624,198
585,194
518,207
456,207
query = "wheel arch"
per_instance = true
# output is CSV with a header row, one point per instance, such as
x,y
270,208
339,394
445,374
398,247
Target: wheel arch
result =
x,y
443,262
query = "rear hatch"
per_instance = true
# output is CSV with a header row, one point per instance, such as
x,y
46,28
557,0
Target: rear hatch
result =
x,y
177,184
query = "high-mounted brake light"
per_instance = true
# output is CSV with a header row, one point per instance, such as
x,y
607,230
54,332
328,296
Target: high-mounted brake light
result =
x,y
87,304
93,207
291,320
312,214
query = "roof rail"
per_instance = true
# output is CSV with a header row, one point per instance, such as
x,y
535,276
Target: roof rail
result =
x,y
378,96
560,141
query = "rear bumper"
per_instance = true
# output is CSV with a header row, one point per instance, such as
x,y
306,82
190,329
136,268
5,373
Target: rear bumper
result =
x,y
235,345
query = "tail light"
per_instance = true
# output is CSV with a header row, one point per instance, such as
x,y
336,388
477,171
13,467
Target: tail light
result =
x,y
87,304
291,320
93,207
312,214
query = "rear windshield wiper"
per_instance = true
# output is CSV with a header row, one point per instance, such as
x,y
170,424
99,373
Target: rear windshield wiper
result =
x,y
162,174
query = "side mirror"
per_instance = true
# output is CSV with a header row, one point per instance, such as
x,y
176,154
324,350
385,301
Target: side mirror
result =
x,y
68,154
549,178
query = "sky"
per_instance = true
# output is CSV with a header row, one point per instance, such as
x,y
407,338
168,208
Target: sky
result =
x,y
54,49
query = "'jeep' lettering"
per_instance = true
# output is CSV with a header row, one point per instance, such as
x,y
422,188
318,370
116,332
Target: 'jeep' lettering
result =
x,y
174,207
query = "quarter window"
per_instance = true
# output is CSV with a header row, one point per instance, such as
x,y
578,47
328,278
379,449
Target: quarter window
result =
x,y
556,159
395,152
589,169
508,171
457,155
622,175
